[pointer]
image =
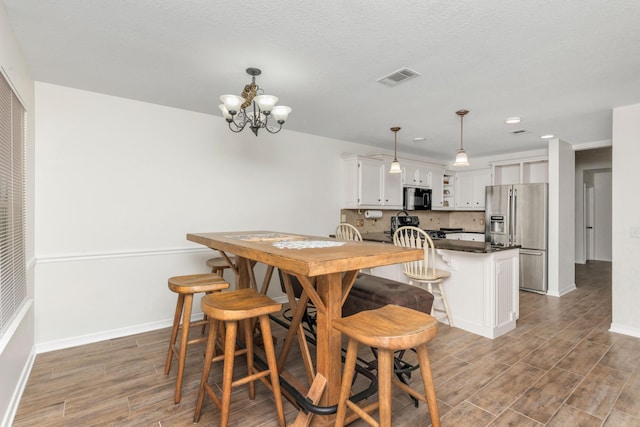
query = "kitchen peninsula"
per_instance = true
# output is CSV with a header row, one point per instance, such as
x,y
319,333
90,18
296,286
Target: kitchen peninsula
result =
x,y
482,290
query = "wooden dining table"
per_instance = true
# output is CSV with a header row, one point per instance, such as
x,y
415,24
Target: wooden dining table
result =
x,y
325,267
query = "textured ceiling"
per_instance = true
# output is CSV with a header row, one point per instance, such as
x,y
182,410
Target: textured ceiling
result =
x,y
560,65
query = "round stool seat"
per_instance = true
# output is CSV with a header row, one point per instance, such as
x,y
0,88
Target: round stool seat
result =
x,y
391,327
239,304
219,263
195,283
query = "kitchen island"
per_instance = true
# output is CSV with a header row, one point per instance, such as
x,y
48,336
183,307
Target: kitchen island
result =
x,y
482,290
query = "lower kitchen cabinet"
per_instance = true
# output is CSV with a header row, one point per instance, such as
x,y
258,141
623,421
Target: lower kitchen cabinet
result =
x,y
482,289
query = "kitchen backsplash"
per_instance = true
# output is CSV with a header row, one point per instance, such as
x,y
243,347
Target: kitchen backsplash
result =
x,y
432,220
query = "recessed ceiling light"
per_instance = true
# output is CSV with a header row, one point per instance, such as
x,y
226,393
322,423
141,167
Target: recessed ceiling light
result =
x,y
419,139
512,120
548,136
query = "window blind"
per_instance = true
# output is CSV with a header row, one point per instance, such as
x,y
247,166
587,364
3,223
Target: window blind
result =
x,y
13,285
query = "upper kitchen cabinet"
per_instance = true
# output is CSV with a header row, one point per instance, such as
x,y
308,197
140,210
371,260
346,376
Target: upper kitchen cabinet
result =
x,y
437,186
415,174
367,183
522,171
424,175
470,189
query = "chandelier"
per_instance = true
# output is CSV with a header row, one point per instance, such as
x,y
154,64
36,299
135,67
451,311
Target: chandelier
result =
x,y
461,157
253,108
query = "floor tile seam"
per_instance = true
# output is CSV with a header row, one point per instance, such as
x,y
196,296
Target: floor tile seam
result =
x,y
518,396
587,412
574,347
620,391
578,384
472,404
463,372
519,413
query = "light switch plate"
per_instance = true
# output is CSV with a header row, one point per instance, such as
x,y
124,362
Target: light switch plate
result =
x,y
343,218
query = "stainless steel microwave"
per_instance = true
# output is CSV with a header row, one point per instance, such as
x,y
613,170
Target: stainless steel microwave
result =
x,y
417,199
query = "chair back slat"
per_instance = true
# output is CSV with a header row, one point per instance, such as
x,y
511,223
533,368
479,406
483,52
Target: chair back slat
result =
x,y
346,231
414,237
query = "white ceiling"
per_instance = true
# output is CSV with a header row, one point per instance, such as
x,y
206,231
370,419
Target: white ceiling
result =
x,y
560,65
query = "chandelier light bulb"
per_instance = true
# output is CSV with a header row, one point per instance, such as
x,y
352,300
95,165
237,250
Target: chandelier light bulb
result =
x,y
266,102
232,103
280,113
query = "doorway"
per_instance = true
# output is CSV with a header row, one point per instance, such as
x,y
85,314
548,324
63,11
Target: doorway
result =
x,y
589,214
593,205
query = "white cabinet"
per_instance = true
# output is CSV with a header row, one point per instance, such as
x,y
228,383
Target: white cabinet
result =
x,y
521,171
370,183
469,237
391,186
437,188
415,174
367,183
470,189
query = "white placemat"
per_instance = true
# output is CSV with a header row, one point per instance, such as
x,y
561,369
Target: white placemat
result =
x,y
306,244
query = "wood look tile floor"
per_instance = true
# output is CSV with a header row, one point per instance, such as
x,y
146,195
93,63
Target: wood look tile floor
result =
x,y
560,367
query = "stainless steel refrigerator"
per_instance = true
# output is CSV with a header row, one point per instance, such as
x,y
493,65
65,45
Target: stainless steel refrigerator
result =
x,y
518,215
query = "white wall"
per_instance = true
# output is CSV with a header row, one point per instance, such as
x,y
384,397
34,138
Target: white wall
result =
x,y
626,221
17,346
120,183
561,256
586,162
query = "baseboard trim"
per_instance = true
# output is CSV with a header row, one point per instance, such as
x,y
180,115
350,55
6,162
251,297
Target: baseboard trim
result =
x,y
118,333
14,403
106,335
625,330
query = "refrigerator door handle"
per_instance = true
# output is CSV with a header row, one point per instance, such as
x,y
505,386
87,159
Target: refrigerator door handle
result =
x,y
529,252
514,217
510,205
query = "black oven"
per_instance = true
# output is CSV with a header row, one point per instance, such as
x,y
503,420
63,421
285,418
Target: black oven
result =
x,y
417,199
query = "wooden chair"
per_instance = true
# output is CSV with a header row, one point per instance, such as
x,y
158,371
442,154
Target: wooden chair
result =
x,y
186,287
234,308
346,231
388,329
424,270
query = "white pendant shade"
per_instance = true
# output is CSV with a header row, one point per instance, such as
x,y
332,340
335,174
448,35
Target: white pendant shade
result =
x,y
266,102
225,112
461,159
280,113
232,103
395,167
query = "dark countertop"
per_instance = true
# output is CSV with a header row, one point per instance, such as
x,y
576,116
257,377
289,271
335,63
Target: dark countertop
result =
x,y
448,244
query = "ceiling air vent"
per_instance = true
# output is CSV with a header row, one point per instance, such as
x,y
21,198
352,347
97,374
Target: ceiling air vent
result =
x,y
398,76
518,131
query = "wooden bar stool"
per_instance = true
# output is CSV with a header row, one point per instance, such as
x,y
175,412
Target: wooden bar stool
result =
x,y
186,287
234,307
389,328
219,264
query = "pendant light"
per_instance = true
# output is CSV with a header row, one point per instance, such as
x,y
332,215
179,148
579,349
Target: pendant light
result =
x,y
461,157
395,165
